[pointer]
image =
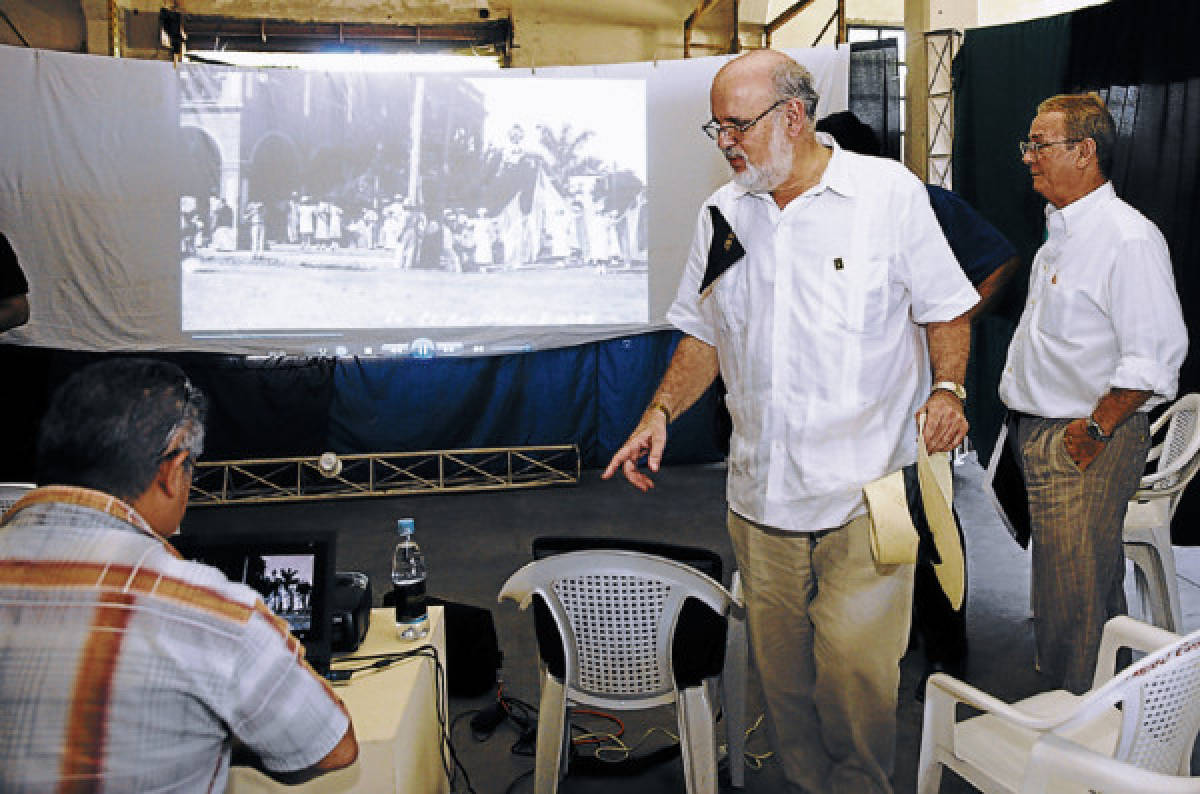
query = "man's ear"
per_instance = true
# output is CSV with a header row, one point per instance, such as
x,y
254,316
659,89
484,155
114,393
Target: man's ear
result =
x,y
172,475
796,115
1087,152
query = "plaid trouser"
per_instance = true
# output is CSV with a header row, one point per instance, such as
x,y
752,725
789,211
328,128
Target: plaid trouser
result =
x,y
1076,522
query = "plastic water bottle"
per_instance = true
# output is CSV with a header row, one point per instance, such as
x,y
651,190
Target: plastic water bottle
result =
x,y
408,584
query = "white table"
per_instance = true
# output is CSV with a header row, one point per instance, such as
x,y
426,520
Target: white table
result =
x,y
394,711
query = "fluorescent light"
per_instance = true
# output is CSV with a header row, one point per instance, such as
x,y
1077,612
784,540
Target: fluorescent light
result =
x,y
354,62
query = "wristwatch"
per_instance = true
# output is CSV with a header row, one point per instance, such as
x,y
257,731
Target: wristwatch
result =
x,y
1096,431
954,388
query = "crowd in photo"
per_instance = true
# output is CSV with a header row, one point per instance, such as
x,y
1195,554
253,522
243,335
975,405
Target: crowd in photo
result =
x,y
556,230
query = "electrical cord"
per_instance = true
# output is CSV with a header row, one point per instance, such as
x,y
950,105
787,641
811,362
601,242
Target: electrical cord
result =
x,y
451,764
610,751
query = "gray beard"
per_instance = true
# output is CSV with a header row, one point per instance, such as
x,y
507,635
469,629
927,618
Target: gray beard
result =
x,y
771,174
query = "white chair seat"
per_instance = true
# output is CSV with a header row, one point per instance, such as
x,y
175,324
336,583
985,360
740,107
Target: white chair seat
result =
x,y
1131,732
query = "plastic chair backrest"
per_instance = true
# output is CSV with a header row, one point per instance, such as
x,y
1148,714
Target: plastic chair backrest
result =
x,y
616,613
1179,453
1160,718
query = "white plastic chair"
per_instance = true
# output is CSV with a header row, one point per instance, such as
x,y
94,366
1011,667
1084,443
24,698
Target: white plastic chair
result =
x,y
616,613
1132,732
11,493
1147,530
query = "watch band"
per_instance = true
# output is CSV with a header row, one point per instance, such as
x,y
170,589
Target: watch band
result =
x,y
665,411
1096,431
954,388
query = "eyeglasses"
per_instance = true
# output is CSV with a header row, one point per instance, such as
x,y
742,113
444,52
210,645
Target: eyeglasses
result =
x,y
1035,147
714,128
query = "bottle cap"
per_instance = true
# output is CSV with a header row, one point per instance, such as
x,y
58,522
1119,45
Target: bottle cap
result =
x,y
405,526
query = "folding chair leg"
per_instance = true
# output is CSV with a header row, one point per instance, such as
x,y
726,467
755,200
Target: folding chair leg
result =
x,y
552,735
697,740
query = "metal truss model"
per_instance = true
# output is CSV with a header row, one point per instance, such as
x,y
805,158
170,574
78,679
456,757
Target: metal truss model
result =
x,y
940,48
332,476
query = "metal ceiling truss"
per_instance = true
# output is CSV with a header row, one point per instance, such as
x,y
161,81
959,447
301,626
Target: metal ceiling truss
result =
x,y
270,480
790,13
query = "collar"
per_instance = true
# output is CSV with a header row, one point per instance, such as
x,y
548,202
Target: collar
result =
x,y
836,177
1067,218
89,499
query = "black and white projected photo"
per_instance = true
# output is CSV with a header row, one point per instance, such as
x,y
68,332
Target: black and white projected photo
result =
x,y
285,581
326,201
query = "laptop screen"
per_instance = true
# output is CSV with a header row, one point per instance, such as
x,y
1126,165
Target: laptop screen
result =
x,y
293,572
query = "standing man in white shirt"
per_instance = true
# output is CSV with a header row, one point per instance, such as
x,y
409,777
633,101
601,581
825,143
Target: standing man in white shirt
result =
x,y
807,278
1099,344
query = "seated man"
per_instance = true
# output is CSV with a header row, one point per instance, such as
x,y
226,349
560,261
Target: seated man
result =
x,y
122,666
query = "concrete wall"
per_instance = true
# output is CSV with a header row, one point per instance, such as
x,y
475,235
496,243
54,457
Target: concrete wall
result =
x,y
45,24
804,29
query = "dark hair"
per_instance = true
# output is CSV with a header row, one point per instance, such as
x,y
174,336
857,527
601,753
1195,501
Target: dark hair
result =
x,y
850,132
110,425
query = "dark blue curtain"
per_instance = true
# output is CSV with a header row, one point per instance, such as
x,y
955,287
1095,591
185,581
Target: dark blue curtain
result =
x,y
590,395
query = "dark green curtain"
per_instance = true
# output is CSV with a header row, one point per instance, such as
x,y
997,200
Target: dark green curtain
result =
x,y
1142,57
1000,75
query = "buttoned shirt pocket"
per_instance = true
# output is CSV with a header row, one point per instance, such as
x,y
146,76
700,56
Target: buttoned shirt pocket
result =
x,y
1058,315
854,294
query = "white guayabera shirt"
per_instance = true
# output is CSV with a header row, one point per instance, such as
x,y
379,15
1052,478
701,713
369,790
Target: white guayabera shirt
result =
x,y
818,333
1102,313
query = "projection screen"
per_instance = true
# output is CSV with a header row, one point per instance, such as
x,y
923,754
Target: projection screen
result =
x,y
304,212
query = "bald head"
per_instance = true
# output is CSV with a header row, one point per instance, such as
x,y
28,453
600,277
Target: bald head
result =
x,y
767,74
763,107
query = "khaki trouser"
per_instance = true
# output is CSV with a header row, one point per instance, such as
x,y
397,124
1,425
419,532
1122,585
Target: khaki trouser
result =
x,y
828,627
1076,523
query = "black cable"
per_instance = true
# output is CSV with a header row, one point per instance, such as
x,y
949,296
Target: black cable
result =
x,y
451,764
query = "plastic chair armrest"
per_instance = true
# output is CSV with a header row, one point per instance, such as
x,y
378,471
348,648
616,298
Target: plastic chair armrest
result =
x,y
942,692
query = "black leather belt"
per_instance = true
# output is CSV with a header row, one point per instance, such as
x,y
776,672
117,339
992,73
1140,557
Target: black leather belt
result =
x,y
1014,416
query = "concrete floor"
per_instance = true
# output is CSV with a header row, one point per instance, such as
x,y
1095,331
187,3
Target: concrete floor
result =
x,y
472,543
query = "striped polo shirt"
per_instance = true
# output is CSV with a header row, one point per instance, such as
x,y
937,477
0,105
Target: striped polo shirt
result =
x,y
126,668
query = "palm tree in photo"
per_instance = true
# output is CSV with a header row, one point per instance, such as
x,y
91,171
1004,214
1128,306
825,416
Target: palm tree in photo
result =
x,y
563,151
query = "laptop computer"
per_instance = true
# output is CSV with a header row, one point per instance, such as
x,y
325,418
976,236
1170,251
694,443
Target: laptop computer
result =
x,y
292,571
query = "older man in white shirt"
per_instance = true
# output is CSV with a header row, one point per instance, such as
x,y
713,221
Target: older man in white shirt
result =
x,y
810,278
1099,344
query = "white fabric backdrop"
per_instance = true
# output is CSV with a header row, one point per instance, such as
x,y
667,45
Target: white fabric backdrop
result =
x,y
89,197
